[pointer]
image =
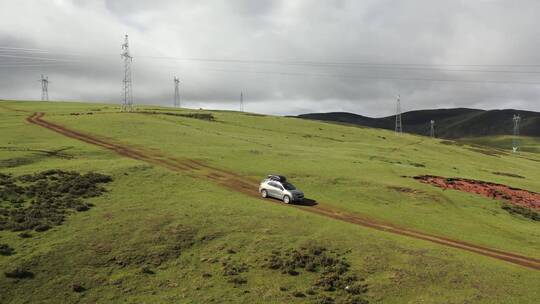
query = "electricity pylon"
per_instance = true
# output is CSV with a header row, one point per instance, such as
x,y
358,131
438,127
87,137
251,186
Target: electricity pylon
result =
x,y
241,101
44,88
399,126
127,104
176,92
515,139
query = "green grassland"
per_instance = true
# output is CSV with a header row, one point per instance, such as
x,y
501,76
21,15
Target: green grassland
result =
x,y
526,143
185,229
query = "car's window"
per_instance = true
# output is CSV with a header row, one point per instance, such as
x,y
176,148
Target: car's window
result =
x,y
277,185
289,186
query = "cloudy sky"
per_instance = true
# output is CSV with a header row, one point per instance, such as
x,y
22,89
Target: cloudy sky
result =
x,y
288,57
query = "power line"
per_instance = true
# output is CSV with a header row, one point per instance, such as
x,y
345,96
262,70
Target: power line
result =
x,y
357,65
375,78
19,48
35,58
345,76
32,65
53,52
330,63
352,64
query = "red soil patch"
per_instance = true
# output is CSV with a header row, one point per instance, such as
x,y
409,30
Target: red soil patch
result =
x,y
511,195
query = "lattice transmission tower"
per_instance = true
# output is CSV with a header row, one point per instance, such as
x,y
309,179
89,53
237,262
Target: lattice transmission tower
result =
x,y
44,88
515,139
399,126
176,92
127,104
241,101
432,128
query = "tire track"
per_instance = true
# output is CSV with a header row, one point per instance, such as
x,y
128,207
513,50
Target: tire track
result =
x,y
247,186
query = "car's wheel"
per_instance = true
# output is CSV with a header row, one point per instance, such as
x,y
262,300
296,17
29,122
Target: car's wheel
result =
x,y
286,199
264,193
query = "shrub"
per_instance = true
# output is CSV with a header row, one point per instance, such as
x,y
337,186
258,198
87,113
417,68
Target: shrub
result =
x,y
234,269
418,165
231,269
311,291
202,116
298,294
334,272
5,249
354,300
523,211
44,199
325,300
42,227
77,287
238,280
82,207
147,270
19,273
25,235
356,288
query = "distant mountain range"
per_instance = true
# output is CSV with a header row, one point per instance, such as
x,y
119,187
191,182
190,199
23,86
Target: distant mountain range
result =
x,y
449,123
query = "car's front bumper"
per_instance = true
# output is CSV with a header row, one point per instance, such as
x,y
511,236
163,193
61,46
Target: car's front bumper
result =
x,y
298,198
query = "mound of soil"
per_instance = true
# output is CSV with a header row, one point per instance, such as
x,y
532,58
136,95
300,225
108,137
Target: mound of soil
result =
x,y
505,193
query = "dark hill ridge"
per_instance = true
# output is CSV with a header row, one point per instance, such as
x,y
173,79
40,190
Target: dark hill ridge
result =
x,y
449,123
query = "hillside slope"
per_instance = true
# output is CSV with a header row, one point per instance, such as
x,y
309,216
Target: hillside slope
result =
x,y
178,223
450,123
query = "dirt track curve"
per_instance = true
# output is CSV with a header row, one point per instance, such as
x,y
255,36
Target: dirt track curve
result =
x,y
248,186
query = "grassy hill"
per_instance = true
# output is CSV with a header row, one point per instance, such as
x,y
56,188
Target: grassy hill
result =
x,y
450,123
168,231
526,143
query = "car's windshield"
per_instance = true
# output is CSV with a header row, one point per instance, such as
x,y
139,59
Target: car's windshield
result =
x,y
289,186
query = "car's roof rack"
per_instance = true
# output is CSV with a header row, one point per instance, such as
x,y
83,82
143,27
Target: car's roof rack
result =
x,y
279,178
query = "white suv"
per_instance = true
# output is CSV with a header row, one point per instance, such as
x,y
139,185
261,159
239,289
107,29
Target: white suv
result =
x,y
277,186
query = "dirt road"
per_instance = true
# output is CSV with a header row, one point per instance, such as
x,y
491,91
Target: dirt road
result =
x,y
249,187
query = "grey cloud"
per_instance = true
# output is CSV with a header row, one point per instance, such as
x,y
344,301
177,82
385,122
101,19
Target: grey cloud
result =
x,y
348,31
